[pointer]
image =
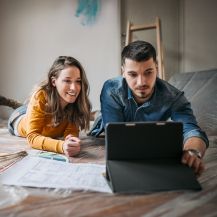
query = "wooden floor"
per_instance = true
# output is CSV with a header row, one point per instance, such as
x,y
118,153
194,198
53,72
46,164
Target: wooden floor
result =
x,y
28,202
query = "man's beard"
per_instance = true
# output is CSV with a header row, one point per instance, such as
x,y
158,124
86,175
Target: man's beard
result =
x,y
143,95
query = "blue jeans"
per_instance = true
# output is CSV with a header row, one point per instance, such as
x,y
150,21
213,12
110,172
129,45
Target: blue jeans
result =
x,y
14,116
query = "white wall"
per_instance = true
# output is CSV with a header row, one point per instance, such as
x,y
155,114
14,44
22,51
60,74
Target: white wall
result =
x,y
35,32
198,35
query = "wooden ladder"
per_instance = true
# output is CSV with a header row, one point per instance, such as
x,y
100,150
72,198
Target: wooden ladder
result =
x,y
133,28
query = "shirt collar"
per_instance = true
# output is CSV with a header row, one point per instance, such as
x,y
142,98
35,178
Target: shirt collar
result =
x,y
145,104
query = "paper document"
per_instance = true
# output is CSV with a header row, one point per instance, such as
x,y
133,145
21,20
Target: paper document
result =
x,y
44,173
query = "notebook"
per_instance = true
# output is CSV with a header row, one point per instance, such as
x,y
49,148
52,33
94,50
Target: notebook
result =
x,y
146,157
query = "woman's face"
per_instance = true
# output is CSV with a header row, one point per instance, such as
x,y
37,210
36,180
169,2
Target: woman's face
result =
x,y
68,85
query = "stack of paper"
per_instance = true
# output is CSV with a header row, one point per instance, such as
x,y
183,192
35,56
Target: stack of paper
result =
x,y
39,172
8,159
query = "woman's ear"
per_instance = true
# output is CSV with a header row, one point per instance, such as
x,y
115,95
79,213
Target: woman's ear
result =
x,y
53,81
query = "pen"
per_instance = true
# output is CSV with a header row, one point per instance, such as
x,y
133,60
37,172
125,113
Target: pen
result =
x,y
53,157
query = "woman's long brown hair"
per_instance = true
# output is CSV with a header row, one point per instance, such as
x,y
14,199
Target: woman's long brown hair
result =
x,y
77,112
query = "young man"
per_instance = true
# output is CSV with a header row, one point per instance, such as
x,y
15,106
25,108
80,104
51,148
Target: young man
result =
x,y
139,95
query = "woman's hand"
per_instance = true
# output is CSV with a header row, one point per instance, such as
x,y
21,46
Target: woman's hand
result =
x,y
71,146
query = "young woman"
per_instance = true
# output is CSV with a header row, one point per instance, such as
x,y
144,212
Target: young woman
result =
x,y
59,108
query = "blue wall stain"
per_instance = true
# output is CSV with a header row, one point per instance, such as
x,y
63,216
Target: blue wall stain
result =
x,y
89,9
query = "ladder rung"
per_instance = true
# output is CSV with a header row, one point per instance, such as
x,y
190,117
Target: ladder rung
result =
x,y
142,27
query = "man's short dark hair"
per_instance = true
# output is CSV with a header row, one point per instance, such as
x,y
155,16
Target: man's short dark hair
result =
x,y
138,51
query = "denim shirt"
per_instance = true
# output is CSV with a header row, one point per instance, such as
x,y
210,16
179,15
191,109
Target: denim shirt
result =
x,y
166,103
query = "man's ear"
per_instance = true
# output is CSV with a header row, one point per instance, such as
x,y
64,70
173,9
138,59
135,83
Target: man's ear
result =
x,y
122,71
157,68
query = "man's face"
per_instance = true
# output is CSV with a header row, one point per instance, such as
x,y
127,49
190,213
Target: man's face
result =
x,y
140,77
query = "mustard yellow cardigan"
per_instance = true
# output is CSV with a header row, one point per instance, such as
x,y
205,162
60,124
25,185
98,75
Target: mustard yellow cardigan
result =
x,y
36,126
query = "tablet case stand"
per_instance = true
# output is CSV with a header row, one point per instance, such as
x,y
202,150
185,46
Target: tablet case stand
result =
x,y
146,157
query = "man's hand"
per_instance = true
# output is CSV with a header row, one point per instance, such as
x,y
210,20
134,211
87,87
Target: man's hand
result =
x,y
71,146
191,158
193,161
